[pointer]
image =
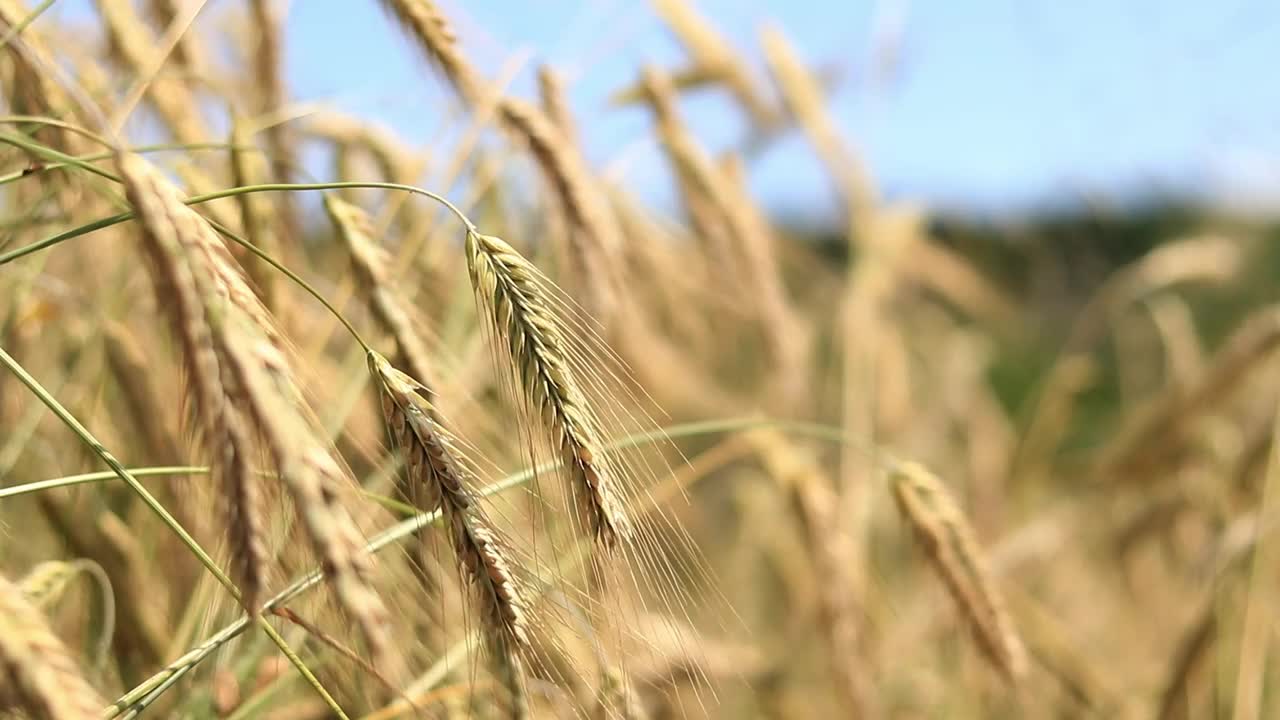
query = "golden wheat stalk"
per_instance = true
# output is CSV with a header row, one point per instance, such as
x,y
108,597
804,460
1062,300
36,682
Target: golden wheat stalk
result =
x,y
316,482
245,389
103,538
817,506
1157,437
803,95
694,173
187,54
940,525
127,362
37,673
432,464
225,428
33,92
555,103
522,313
435,36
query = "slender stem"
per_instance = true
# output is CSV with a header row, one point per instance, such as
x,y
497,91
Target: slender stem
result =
x,y
22,24
26,143
140,149
54,122
289,187
310,677
39,245
151,502
85,478
98,449
232,236
231,192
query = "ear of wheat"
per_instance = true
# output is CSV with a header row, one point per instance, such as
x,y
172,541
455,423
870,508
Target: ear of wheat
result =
x,y
954,554
432,464
433,33
244,390
522,314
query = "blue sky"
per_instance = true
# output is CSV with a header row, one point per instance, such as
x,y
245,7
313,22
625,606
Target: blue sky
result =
x,y
991,105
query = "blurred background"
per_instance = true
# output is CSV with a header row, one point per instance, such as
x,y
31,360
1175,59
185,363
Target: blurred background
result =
x,y
988,108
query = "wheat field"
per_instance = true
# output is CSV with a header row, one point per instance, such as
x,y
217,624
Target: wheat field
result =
x,y
302,418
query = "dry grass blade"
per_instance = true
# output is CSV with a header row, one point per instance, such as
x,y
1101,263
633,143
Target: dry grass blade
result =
x,y
522,314
37,674
940,525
